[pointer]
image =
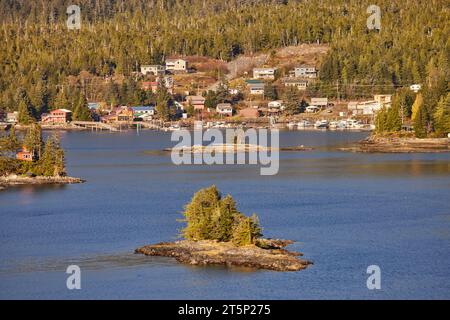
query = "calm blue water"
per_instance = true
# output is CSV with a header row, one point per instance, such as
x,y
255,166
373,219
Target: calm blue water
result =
x,y
345,210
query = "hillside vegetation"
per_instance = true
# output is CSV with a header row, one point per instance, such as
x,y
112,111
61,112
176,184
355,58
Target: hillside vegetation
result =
x,y
41,60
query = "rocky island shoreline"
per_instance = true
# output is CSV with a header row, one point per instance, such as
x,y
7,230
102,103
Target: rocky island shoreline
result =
x,y
375,144
206,252
13,180
216,233
233,148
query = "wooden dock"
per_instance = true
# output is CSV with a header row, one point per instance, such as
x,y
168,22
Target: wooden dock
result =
x,y
95,126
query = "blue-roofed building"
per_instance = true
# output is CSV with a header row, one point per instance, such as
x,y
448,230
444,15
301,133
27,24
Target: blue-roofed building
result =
x,y
93,106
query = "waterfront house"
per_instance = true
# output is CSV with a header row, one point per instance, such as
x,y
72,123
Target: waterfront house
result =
x,y
26,155
176,65
124,114
264,73
363,108
144,112
58,116
120,114
156,70
305,71
300,84
370,107
225,109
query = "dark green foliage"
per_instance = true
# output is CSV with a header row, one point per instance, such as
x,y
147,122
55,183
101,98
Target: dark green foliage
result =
x,y
442,117
420,123
52,161
211,99
9,144
33,139
211,217
292,100
50,157
81,111
270,92
163,102
393,119
43,61
246,231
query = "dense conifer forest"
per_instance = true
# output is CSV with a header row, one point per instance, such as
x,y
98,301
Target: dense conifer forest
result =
x,y
40,57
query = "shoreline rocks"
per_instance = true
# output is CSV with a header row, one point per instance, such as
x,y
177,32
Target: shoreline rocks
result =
x,y
272,257
376,144
14,180
233,148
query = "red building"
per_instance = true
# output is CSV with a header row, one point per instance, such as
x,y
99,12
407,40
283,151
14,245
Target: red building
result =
x,y
26,155
57,116
150,85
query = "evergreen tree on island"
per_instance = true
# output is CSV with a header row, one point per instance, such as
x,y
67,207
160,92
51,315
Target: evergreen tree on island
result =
x,y
49,157
211,217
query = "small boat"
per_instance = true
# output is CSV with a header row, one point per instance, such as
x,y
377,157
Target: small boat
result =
x,y
175,127
303,124
333,125
355,124
322,124
342,125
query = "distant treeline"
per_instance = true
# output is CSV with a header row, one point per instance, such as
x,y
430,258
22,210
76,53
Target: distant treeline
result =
x,y
38,53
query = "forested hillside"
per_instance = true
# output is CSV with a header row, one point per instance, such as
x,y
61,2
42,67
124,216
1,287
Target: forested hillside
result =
x,y
38,54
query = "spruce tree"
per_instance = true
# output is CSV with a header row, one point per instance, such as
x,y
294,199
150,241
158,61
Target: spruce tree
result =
x,y
291,100
393,119
418,103
62,101
52,162
270,91
210,217
24,113
420,123
442,117
81,111
33,140
163,101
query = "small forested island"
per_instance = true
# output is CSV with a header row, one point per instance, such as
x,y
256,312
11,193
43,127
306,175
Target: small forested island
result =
x,y
28,160
216,233
427,116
